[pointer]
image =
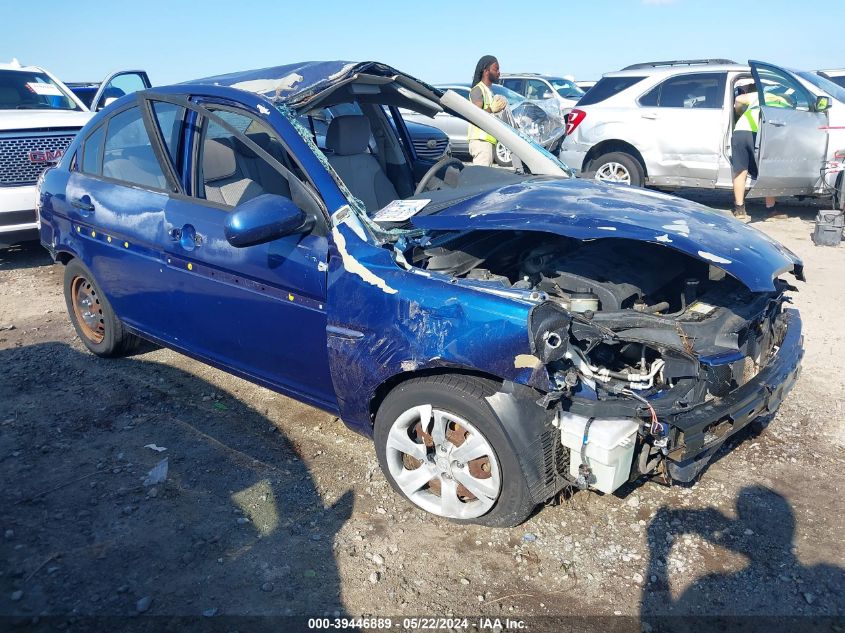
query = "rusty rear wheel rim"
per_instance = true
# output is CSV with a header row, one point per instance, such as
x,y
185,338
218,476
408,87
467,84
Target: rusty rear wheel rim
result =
x,y
443,463
87,309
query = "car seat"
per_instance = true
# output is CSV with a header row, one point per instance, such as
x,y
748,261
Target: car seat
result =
x,y
347,140
226,181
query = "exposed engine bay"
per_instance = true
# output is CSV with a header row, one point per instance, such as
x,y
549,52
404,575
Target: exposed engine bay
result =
x,y
626,329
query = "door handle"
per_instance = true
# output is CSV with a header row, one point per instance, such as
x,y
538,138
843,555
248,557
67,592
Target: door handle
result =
x,y
83,204
649,115
776,123
187,237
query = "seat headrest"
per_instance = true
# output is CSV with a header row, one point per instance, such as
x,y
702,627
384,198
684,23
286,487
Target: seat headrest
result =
x,y
218,160
348,134
262,139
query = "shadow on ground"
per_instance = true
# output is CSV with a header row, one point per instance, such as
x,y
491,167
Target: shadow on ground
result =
x,y
774,591
237,529
24,255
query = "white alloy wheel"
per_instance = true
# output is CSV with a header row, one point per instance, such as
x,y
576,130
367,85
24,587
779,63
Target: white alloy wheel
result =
x,y
443,463
613,172
503,154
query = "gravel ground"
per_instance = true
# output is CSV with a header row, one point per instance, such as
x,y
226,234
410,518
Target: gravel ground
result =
x,y
270,507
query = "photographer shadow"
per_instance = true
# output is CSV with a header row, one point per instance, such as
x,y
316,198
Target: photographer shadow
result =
x,y
237,536
774,592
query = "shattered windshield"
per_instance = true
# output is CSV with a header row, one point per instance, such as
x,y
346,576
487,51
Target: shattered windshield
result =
x,y
23,90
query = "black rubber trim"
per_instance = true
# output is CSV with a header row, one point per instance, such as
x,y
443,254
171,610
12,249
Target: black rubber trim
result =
x,y
11,218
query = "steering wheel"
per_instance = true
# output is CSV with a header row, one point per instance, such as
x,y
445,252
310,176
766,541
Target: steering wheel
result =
x,y
432,171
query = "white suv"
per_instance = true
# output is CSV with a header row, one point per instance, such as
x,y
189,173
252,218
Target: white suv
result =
x,y
668,124
39,117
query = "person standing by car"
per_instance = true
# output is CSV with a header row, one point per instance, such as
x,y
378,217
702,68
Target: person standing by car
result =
x,y
743,140
482,144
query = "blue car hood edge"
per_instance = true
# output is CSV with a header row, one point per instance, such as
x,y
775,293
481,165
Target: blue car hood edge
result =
x,y
586,210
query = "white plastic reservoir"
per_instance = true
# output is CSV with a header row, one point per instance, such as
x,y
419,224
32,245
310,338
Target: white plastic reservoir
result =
x,y
610,448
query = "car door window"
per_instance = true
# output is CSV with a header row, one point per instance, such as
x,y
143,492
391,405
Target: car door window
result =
x,y
516,85
92,152
230,172
119,86
169,118
698,90
783,91
128,154
536,89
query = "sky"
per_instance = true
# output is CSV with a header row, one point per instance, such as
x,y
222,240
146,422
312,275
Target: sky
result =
x,y
437,41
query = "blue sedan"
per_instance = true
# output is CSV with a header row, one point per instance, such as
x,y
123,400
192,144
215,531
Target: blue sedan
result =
x,y
500,334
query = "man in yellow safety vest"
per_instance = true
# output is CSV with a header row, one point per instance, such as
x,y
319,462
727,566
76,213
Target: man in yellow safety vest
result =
x,y
744,139
482,144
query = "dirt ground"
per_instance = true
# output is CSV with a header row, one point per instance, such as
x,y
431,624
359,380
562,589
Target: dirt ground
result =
x,y
272,508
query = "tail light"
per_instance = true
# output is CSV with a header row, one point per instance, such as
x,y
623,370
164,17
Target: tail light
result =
x,y
574,119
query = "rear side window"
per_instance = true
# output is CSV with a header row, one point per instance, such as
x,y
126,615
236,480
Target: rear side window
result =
x,y
92,152
514,84
699,90
606,88
169,118
128,154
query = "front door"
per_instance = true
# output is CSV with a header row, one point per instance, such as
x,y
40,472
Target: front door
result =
x,y
792,139
258,310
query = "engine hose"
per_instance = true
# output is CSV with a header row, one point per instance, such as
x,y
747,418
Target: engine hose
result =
x,y
584,471
657,307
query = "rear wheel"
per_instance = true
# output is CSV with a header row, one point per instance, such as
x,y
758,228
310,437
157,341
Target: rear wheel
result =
x,y
93,318
443,448
618,167
502,156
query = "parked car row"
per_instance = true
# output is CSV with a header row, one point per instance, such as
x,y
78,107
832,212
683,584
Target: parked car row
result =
x,y
39,118
541,120
668,124
500,334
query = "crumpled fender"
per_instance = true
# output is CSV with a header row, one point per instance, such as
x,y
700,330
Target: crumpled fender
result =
x,y
384,320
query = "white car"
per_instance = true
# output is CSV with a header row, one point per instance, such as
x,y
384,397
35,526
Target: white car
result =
x,y
836,75
39,117
560,90
669,124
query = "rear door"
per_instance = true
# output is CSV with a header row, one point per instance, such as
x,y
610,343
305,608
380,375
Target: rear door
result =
x,y
684,118
116,195
792,140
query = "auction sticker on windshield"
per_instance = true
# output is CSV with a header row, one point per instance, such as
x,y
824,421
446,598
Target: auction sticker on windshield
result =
x,y
400,210
47,90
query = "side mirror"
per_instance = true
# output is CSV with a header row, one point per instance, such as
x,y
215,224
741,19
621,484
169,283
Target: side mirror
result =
x,y
263,219
823,104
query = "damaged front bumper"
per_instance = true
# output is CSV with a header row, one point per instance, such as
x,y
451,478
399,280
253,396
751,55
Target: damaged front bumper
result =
x,y
607,449
701,431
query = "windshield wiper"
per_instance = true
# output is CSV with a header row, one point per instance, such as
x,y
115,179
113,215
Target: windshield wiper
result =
x,y
36,106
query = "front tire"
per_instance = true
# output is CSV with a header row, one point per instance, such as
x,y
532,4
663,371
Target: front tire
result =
x,y
95,322
618,167
442,447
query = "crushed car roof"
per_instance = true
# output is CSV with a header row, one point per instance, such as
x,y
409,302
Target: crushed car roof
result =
x,y
295,84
